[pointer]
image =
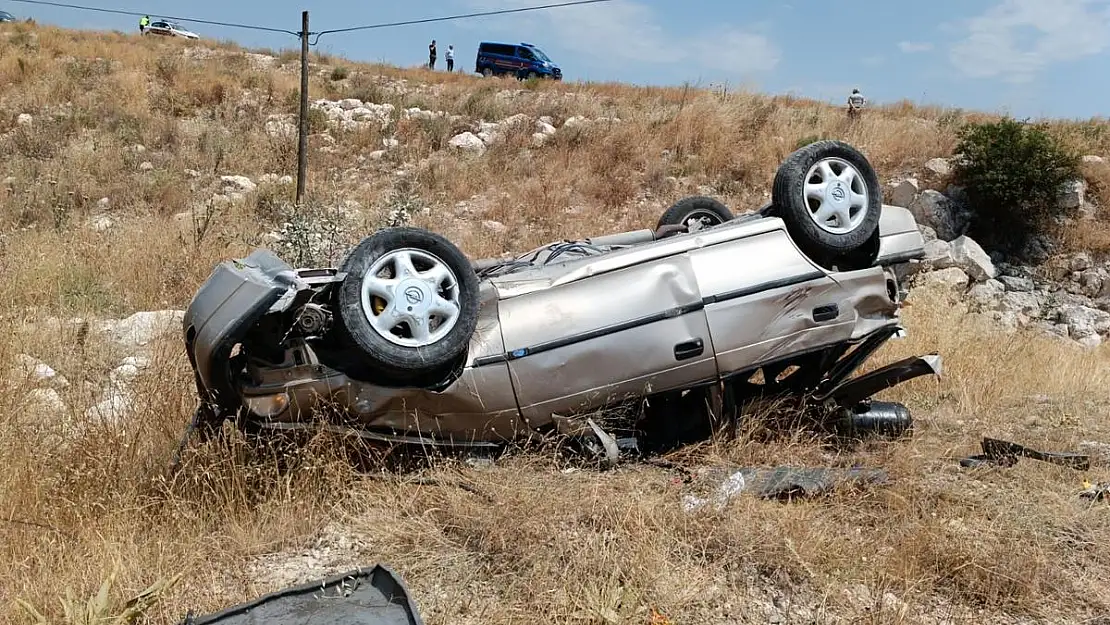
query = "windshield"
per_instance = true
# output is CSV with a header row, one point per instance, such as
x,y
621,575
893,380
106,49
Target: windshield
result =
x,y
539,54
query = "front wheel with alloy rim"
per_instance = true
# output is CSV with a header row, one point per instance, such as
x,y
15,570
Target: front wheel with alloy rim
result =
x,y
410,304
830,198
696,213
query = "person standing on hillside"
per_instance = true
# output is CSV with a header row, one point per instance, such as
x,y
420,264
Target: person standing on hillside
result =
x,y
144,21
855,103
450,56
432,55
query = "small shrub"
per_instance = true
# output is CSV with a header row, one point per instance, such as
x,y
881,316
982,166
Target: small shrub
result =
x,y
1013,172
339,73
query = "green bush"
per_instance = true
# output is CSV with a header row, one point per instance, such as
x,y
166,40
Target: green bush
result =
x,y
1012,172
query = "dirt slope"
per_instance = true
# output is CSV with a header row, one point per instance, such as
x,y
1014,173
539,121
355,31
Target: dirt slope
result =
x,y
132,166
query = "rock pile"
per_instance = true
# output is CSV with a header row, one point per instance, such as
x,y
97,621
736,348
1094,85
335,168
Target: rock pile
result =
x,y
1066,296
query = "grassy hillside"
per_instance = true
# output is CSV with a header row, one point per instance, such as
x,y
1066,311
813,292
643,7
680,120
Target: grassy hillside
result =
x,y
113,202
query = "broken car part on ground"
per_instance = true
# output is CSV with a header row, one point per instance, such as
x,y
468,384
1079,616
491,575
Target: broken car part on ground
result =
x,y
675,329
374,596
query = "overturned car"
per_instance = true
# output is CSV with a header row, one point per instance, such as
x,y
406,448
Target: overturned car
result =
x,y
409,341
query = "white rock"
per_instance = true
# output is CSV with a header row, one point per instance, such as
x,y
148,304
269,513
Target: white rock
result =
x,y
1091,159
927,233
139,362
575,122
1021,302
100,223
938,254
546,128
240,183
350,104
115,405
1016,284
519,118
468,142
538,139
547,119
103,203
904,192
967,255
494,226
143,327
1073,194
39,371
286,179
947,218
951,278
376,155
124,373
390,143
146,166
45,404
938,166
1080,262
1083,321
24,119
986,295
1090,341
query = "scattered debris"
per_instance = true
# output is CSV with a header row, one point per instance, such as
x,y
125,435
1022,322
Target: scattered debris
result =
x,y
785,483
367,596
1004,453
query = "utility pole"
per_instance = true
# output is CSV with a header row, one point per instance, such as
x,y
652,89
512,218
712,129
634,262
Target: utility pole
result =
x,y
302,147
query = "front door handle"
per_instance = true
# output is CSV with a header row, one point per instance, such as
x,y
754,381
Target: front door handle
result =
x,y
825,313
689,349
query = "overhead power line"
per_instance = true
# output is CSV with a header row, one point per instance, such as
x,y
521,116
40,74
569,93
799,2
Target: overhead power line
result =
x,y
167,17
457,17
427,20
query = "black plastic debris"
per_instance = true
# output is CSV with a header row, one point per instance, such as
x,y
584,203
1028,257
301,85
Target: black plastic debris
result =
x,y
790,482
1096,492
1006,454
374,596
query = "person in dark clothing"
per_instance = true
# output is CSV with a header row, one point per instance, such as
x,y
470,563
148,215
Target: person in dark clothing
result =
x,y
432,55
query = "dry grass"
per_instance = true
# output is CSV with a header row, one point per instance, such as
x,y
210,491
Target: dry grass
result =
x,y
541,545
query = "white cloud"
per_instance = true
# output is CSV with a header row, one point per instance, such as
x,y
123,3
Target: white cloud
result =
x,y
909,47
1017,39
616,33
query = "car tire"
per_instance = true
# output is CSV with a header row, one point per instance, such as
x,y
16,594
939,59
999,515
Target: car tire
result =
x,y
834,177
377,326
706,211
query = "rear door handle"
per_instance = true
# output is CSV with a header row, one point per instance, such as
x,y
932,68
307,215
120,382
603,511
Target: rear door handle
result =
x,y
689,349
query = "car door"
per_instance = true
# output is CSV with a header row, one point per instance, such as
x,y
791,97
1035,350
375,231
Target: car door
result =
x,y
765,300
593,342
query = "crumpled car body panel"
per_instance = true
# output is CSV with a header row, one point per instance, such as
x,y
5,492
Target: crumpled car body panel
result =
x,y
567,337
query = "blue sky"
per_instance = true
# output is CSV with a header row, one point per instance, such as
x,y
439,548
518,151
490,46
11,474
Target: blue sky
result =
x,y
1035,58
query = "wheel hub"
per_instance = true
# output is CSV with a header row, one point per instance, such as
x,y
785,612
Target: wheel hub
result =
x,y
836,195
410,301
416,297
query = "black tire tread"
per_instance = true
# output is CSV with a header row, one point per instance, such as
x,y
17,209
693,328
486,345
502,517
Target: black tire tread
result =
x,y
678,211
